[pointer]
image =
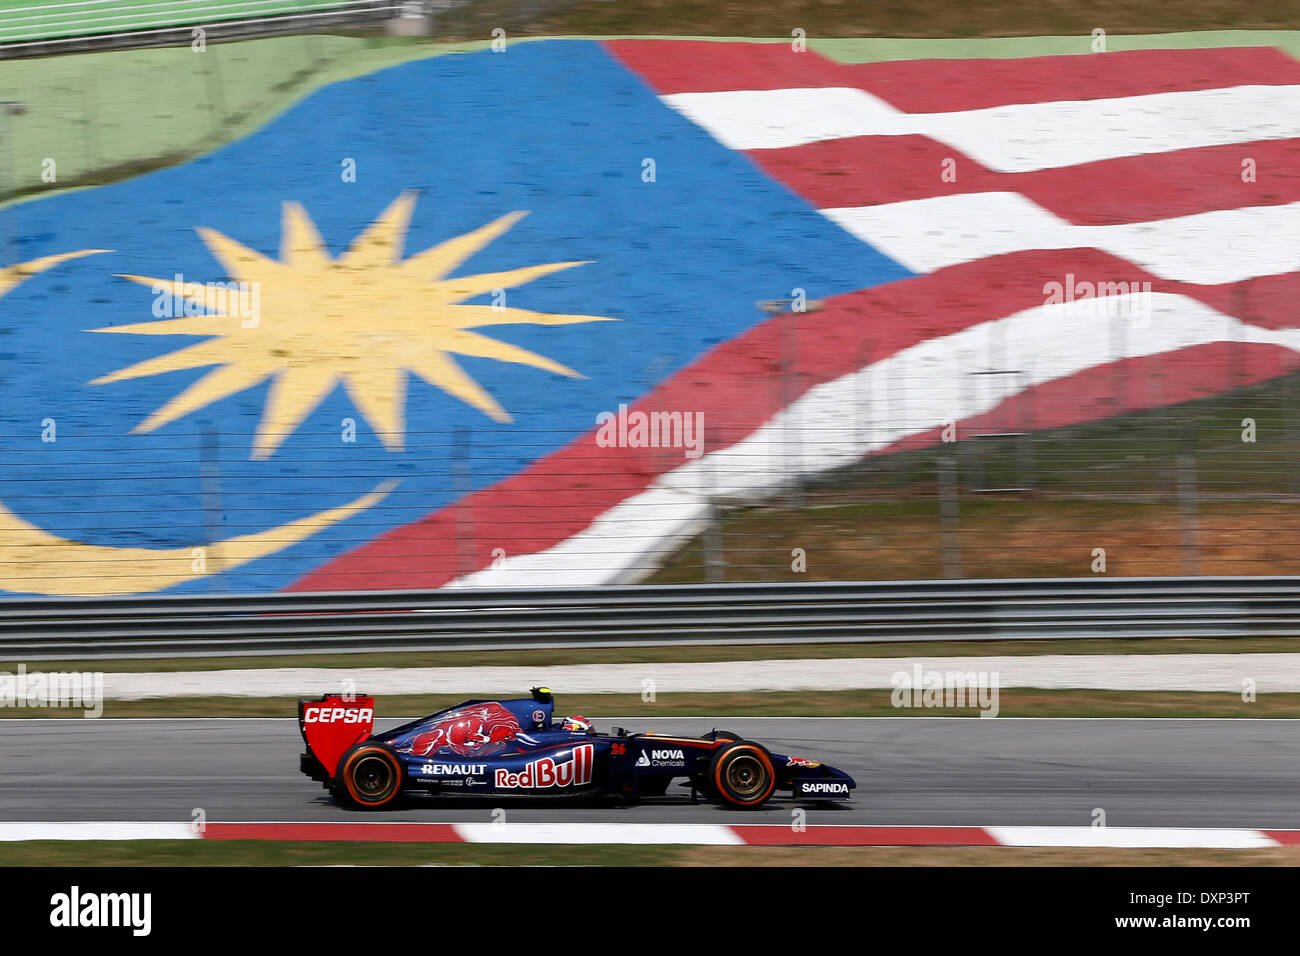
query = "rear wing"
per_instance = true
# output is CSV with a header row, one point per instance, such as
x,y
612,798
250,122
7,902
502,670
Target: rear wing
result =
x,y
331,724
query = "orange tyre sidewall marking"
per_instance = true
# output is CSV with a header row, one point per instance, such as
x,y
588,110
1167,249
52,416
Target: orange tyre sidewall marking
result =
x,y
397,776
763,758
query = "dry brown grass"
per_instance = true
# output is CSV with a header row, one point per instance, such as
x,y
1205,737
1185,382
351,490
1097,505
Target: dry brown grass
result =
x,y
1009,538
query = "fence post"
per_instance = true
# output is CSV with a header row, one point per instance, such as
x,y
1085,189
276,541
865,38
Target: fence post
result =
x,y
859,406
460,477
1292,431
715,559
93,121
1188,512
715,564
949,518
215,92
311,45
791,435
1027,425
210,494
10,185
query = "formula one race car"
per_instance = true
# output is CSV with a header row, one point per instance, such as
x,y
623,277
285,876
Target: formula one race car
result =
x,y
515,748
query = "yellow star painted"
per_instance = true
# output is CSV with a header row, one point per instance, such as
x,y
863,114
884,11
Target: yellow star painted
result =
x,y
362,320
34,561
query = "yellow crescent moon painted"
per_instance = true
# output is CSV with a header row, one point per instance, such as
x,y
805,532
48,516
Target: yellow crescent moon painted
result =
x,y
33,561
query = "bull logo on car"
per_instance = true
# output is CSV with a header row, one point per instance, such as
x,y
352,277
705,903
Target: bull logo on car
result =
x,y
477,731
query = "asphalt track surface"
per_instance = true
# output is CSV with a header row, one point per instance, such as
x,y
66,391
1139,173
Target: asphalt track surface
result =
x,y
910,771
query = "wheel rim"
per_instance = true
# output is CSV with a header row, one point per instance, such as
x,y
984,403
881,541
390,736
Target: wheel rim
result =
x,y
746,776
373,777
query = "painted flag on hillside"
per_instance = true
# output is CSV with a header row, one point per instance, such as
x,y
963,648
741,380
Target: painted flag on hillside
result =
x,y
431,325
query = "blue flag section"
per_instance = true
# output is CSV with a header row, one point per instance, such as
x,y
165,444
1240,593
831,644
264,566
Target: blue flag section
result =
x,y
434,275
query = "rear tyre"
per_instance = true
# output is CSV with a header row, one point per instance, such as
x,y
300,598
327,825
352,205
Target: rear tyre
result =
x,y
741,775
369,776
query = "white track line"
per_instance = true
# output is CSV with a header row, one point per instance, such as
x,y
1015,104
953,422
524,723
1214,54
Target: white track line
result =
x,y
644,834
11,832
1174,837
625,833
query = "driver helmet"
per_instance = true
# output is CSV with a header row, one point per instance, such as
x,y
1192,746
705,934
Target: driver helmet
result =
x,y
576,724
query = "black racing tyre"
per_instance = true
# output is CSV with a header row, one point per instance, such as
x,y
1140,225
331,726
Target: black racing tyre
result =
x,y
741,775
369,776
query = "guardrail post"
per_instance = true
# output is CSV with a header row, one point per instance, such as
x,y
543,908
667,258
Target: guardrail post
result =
x,y
949,518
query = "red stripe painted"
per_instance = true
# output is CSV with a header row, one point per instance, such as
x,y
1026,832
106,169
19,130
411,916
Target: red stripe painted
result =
x,y
864,836
754,835
1285,837
737,387
870,170
934,86
377,832
707,66
941,86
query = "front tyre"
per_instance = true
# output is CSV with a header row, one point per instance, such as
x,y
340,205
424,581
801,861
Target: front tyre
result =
x,y
369,776
741,775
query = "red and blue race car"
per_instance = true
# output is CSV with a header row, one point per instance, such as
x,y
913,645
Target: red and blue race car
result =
x,y
517,748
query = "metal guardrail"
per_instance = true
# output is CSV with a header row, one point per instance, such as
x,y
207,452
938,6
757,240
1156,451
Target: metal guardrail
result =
x,y
44,29
640,616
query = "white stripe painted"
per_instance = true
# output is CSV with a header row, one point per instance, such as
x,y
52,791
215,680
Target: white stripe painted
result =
x,y
911,391
770,119
1017,138
1269,673
1208,248
108,830
1176,837
630,833
616,548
